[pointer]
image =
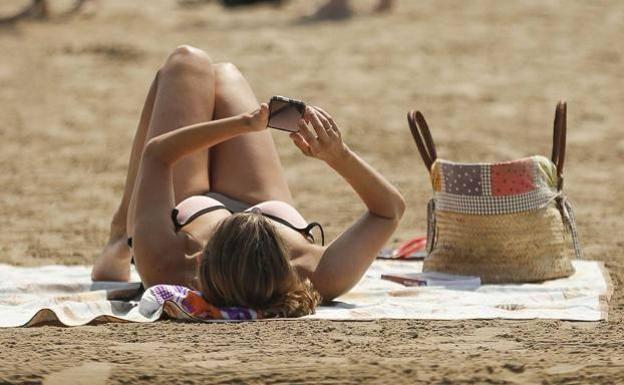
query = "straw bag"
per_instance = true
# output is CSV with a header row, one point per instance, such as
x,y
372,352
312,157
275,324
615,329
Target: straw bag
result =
x,y
504,222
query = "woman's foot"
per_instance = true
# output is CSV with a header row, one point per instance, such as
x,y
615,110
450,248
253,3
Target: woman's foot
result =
x,y
113,264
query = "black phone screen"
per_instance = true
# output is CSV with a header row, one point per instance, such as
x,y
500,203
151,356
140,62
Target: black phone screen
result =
x,y
284,113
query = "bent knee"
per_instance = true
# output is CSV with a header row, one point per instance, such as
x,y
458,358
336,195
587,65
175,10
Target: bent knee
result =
x,y
226,70
226,67
186,58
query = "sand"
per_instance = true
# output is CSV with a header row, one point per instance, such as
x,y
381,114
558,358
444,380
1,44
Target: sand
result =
x,y
487,74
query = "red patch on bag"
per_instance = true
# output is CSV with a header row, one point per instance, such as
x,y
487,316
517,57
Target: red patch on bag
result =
x,y
512,178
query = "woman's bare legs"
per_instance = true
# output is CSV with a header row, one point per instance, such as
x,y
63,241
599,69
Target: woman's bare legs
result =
x,y
181,94
113,264
246,167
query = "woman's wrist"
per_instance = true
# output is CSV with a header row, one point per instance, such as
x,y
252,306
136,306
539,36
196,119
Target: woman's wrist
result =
x,y
341,158
246,122
256,120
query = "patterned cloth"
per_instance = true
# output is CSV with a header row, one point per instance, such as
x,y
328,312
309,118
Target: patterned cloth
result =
x,y
494,188
192,303
497,188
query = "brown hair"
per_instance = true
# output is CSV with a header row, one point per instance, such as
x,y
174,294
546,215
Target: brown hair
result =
x,y
246,263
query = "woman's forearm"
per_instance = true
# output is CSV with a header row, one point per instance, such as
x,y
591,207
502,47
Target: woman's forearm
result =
x,y
380,197
347,258
172,146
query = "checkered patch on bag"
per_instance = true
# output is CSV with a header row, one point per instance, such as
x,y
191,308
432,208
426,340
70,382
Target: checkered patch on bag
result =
x,y
494,188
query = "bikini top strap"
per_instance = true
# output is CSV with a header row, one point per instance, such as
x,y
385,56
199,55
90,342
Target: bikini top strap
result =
x,y
422,136
559,140
308,231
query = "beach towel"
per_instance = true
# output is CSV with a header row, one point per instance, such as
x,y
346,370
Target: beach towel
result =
x,y
65,295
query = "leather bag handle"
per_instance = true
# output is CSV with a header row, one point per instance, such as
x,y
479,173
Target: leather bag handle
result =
x,y
559,139
422,136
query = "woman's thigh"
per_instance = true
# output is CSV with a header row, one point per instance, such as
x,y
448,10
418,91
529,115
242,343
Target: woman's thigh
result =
x,y
185,96
247,167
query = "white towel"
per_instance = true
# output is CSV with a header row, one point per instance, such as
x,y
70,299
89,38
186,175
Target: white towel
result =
x,y
65,295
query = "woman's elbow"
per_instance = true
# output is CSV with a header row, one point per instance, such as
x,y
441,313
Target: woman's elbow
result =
x,y
330,286
400,206
330,294
154,152
393,210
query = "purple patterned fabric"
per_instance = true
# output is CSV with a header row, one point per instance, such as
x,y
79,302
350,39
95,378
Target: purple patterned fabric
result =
x,y
192,303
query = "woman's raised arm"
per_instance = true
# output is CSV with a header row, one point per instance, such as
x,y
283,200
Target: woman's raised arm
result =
x,y
348,257
158,248
168,148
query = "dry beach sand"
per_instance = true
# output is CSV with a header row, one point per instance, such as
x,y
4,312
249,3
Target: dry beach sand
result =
x,y
487,74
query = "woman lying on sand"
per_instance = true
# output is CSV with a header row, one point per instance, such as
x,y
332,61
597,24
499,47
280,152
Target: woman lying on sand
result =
x,y
206,203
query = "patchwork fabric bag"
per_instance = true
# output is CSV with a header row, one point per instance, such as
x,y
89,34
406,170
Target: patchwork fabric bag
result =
x,y
504,222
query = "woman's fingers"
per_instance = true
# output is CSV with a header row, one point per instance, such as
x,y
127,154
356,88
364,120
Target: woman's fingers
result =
x,y
307,112
307,135
300,143
263,114
330,125
320,125
330,119
318,134
325,114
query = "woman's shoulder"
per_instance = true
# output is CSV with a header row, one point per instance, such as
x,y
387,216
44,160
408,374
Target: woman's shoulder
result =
x,y
305,256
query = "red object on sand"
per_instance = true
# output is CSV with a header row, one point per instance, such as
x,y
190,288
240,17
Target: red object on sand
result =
x,y
410,247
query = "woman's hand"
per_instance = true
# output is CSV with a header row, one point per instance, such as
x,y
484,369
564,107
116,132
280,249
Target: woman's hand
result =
x,y
257,120
325,142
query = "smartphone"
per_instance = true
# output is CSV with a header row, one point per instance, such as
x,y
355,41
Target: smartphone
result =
x,y
284,113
